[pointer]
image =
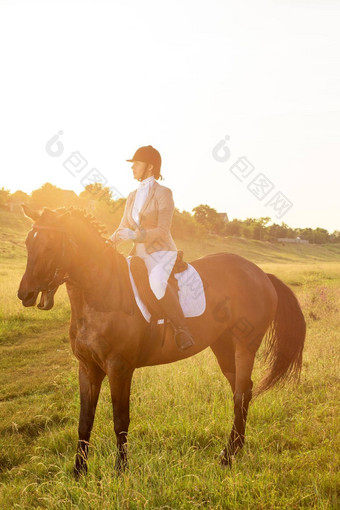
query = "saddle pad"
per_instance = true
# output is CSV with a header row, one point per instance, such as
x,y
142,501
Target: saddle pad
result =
x,y
191,293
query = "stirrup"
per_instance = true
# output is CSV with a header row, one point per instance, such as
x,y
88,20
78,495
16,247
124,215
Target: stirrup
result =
x,y
189,341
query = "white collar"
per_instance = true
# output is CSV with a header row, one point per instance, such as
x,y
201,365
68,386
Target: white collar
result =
x,y
146,181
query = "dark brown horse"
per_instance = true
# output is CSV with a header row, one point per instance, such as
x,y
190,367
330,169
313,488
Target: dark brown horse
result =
x,y
109,335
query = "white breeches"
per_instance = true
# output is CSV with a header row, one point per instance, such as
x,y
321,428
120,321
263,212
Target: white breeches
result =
x,y
159,265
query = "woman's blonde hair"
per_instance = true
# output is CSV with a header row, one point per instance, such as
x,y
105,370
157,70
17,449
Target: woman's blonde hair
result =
x,y
157,174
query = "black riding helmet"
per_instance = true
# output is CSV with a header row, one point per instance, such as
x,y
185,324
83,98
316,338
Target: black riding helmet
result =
x,y
150,155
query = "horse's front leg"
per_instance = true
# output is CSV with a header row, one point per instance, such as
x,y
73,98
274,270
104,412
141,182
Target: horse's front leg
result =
x,y
120,376
90,380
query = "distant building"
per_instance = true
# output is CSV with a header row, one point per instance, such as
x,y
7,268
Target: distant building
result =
x,y
224,216
292,240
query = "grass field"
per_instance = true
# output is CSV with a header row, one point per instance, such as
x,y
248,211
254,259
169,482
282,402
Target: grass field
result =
x,y
181,413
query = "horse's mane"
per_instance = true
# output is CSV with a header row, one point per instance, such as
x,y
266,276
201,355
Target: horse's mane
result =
x,y
87,218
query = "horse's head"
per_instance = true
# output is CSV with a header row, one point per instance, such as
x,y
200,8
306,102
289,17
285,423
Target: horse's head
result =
x,y
46,261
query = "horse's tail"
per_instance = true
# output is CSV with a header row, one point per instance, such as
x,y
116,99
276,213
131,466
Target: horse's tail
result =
x,y
285,339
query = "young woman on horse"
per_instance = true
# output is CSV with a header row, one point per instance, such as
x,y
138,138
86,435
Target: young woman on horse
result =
x,y
147,221
243,304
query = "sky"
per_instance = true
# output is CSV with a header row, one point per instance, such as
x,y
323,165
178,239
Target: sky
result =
x,y
241,98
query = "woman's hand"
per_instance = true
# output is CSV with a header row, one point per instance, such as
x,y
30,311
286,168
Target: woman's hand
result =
x,y
125,234
140,235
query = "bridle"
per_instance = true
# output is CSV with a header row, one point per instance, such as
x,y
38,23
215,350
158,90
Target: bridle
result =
x,y
60,275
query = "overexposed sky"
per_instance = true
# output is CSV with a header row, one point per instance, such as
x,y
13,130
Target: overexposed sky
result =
x,y
181,76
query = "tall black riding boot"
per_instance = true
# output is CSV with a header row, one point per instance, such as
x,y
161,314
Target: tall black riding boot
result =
x,y
171,306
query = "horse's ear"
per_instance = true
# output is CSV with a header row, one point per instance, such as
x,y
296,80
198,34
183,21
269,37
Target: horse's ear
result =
x,y
30,213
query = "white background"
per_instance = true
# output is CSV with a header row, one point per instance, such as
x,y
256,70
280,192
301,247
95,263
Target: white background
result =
x,y
179,75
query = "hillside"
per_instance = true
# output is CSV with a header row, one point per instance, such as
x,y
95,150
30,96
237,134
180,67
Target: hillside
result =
x,y
14,226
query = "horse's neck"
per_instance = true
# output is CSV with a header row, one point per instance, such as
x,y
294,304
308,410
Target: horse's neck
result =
x,y
103,280
84,251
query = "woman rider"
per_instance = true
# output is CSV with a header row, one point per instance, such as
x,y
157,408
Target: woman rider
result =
x,y
147,221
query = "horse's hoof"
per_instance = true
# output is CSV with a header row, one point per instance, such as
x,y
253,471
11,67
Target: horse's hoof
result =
x,y
79,471
120,466
225,460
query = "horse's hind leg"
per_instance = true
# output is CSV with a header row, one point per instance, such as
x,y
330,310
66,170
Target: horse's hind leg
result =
x,y
224,351
90,380
244,362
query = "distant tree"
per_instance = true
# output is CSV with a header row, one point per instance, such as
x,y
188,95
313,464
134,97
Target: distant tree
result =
x,y
233,228
99,201
96,191
288,231
249,221
321,235
257,227
316,236
335,237
19,196
209,217
264,220
117,205
306,234
4,195
275,231
48,195
202,213
185,226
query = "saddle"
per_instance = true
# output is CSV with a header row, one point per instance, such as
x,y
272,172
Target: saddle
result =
x,y
140,275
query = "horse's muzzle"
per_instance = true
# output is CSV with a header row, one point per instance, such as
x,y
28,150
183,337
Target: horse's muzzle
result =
x,y
28,298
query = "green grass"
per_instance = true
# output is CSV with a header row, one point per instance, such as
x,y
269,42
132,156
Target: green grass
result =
x,y
181,413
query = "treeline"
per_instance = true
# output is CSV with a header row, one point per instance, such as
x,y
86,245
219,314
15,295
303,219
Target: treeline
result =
x,y
201,221
259,228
